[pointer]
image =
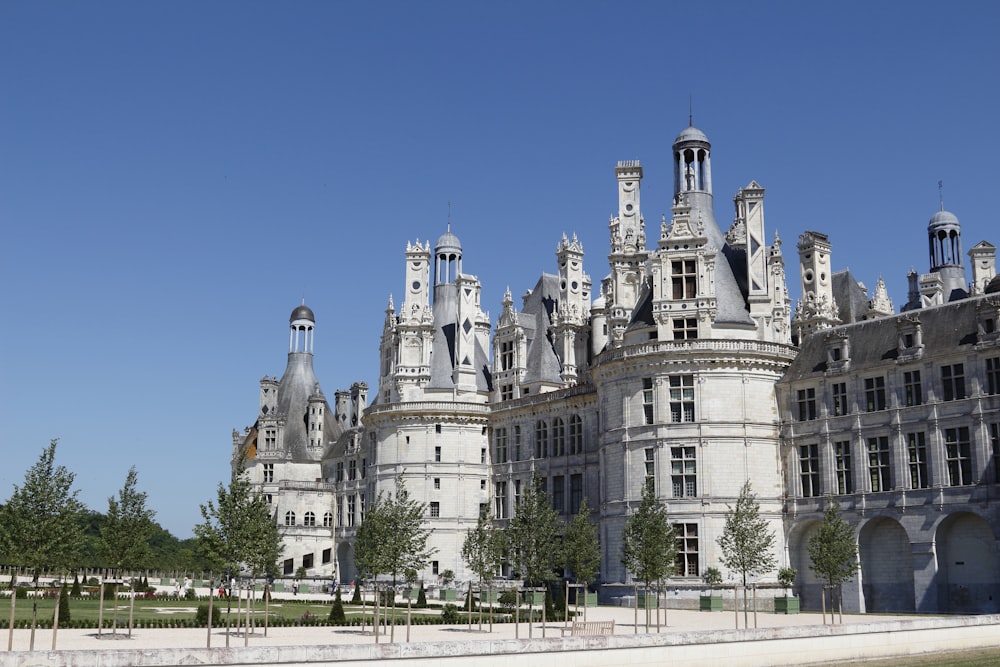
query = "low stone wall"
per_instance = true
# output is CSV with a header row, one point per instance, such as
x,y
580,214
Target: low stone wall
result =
x,y
737,648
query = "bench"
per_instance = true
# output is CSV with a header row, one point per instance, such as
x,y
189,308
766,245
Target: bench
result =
x,y
590,628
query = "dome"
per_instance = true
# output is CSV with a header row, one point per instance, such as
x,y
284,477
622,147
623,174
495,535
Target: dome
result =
x,y
691,133
943,219
993,286
303,312
448,241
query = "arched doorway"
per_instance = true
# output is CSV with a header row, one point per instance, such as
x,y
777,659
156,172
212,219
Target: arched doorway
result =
x,y
886,566
345,563
968,572
808,585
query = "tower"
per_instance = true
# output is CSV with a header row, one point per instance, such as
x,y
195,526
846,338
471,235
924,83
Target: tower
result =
x,y
944,236
816,309
628,249
570,320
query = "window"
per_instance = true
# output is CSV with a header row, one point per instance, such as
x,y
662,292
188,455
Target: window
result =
x,y
575,493
364,467
435,509
351,503
958,456
270,441
683,469
558,437
437,482
328,520
559,493
340,471
352,470
684,278
993,375
912,392
506,392
953,382
874,394
916,452
268,472
361,507
682,398
327,556
482,484
647,401
500,445
838,390
878,463
437,455
289,518
686,535
541,439
650,454
437,428
842,464
517,443
995,448
506,355
288,566
434,567
685,328
575,435
517,492
340,512
807,404
309,519
482,455
307,561
500,498
809,470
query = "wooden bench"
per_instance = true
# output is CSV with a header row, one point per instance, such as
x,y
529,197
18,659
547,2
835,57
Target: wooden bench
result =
x,y
590,628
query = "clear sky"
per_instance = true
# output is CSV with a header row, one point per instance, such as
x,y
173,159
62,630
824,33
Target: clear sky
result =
x,y
176,176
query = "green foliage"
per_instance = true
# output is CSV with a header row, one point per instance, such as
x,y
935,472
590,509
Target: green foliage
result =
x,y
786,577
833,550
649,550
712,576
127,527
64,614
449,615
356,598
392,539
76,590
483,548
421,596
337,615
201,616
41,523
535,546
581,547
747,542
447,577
508,600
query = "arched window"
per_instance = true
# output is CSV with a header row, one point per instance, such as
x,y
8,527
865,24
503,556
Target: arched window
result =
x,y
558,437
289,518
309,519
575,435
541,439
328,520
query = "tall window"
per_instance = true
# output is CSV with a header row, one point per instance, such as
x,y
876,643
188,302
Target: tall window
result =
x,y
838,391
351,509
953,382
685,328
682,398
340,512
878,463
309,519
558,437
650,462
289,518
842,464
361,507
268,472
683,472
559,493
684,278
958,456
352,469
541,439
517,443
686,535
437,455
575,493
575,435
517,493
340,471
916,452
500,445
993,375
506,355
270,441
874,394
913,393
435,509
995,447
647,400
809,470
807,404
328,520
500,498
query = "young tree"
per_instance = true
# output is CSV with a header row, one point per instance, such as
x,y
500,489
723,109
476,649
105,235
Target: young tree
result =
x,y
833,551
581,549
746,542
125,533
649,549
533,534
41,524
482,551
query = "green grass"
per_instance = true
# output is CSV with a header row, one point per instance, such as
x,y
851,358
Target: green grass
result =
x,y
987,657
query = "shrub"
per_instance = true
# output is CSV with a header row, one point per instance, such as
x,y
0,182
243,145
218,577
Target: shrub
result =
x,y
201,616
337,614
76,592
64,618
449,615
421,596
786,577
21,593
712,576
189,594
356,599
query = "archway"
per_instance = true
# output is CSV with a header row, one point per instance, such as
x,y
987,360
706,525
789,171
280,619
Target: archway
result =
x,y
968,573
808,586
886,566
345,563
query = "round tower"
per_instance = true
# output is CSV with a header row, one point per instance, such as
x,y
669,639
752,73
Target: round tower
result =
x,y
692,162
302,323
944,236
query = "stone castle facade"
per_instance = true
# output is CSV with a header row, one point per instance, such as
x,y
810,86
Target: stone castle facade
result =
x,y
685,368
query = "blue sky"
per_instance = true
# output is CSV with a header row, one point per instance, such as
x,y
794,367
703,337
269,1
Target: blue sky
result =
x,y
176,176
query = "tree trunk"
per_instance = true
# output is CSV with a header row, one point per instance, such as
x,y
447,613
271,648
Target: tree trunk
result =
x,y
13,598
55,618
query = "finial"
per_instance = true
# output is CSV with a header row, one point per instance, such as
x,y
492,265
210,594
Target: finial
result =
x,y
449,215
941,193
690,110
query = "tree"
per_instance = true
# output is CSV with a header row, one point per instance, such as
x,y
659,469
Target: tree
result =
x,y
649,549
482,551
747,542
41,525
125,533
582,550
833,551
534,536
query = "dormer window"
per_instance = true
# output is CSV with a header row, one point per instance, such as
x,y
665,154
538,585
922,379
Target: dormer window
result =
x,y
838,353
988,321
909,339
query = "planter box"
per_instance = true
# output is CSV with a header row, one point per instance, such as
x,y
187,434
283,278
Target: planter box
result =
x,y
447,594
786,605
710,603
647,600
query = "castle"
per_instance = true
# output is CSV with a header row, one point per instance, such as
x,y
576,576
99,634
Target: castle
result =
x,y
685,369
